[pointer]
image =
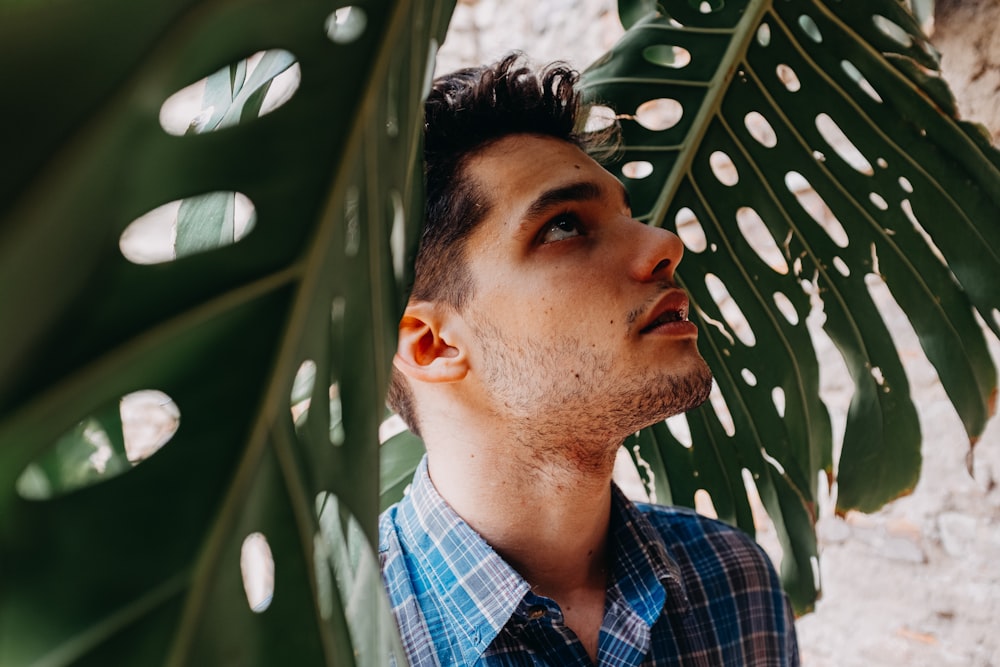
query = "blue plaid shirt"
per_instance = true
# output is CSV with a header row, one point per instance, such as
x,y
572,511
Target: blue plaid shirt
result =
x,y
684,590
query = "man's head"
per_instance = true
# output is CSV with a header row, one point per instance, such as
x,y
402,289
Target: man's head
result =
x,y
532,275
464,112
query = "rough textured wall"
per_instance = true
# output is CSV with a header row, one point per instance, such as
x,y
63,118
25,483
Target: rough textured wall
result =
x,y
576,31
967,32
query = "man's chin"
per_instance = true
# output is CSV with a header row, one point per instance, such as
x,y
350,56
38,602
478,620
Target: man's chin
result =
x,y
688,391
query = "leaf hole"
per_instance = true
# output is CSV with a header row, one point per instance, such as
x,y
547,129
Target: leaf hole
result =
x,y
346,24
816,207
302,389
893,31
337,434
882,163
879,377
788,78
390,427
810,28
773,462
721,409
787,308
150,419
905,184
637,169
667,55
816,575
758,236
659,114
843,146
188,226
878,200
734,317
397,235
680,429
908,211
257,568
600,117
762,523
243,91
703,504
778,398
690,231
108,443
707,6
860,79
764,34
841,267
760,129
749,377
723,168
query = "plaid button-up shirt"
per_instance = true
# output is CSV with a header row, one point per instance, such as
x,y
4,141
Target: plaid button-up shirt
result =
x,y
683,590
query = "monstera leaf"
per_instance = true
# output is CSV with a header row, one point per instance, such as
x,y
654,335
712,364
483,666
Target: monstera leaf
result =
x,y
806,152
144,567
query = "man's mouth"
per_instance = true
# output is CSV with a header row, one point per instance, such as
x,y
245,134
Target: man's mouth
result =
x,y
673,307
668,316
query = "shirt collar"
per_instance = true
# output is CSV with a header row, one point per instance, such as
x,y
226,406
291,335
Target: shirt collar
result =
x,y
481,592
475,585
644,572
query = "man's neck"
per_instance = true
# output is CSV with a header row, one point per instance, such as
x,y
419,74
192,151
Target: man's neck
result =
x,y
550,525
548,518
549,522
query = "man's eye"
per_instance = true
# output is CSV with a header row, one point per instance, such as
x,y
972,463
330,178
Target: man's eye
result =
x,y
562,227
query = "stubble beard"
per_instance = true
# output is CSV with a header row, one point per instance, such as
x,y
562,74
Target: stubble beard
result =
x,y
573,406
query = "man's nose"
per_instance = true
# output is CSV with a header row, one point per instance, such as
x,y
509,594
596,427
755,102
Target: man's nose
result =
x,y
659,251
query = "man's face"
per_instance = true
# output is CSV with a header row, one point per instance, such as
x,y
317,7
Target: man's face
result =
x,y
578,325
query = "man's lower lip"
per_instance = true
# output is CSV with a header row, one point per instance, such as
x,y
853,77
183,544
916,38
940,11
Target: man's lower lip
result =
x,y
678,329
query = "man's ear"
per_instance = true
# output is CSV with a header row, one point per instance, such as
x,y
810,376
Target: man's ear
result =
x,y
428,348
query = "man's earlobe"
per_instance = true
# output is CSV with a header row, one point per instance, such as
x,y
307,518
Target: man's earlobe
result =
x,y
425,351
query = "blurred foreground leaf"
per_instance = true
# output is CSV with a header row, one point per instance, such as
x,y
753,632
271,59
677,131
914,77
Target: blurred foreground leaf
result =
x,y
145,568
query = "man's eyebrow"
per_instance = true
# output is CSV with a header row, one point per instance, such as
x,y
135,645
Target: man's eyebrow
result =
x,y
564,194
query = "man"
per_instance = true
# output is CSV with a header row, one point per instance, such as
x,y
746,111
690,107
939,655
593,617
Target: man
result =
x,y
545,327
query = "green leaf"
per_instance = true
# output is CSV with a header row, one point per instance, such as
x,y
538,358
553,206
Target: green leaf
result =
x,y
399,457
144,568
805,152
632,11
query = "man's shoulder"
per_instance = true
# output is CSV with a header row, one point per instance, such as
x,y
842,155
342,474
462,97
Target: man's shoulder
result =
x,y
708,546
684,520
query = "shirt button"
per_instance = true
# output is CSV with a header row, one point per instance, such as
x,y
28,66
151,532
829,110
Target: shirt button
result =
x,y
536,612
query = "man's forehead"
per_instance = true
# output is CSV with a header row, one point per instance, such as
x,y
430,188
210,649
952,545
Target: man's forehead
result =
x,y
524,174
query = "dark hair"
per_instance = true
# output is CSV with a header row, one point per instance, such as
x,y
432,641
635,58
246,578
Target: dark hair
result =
x,y
465,112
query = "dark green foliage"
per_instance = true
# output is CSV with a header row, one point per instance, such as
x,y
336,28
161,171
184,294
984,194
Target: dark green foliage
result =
x,y
759,101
